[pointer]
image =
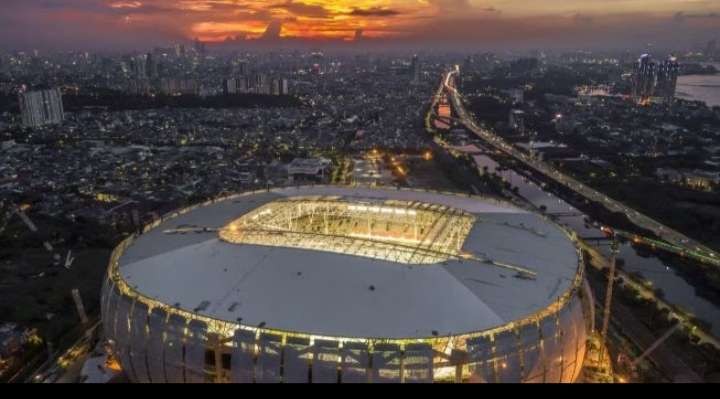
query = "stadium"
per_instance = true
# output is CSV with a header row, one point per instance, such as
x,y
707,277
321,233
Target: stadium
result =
x,y
330,284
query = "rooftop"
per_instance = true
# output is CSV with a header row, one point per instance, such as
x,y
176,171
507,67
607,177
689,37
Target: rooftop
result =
x,y
270,257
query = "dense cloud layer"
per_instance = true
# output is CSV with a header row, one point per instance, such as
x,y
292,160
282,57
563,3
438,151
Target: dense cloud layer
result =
x,y
122,24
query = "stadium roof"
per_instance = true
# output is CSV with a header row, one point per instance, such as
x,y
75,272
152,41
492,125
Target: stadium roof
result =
x,y
361,294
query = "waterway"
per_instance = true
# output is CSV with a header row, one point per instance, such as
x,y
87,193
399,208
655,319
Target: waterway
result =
x,y
659,272
700,87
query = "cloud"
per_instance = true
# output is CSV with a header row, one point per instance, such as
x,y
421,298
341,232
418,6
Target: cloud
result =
x,y
59,4
710,15
302,9
451,3
125,4
583,19
91,24
681,16
374,12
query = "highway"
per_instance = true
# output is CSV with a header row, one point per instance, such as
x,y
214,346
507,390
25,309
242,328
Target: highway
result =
x,y
674,241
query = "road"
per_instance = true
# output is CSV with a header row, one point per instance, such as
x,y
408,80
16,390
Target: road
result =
x,y
679,241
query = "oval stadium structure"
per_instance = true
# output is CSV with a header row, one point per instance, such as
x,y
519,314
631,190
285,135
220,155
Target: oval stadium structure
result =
x,y
348,284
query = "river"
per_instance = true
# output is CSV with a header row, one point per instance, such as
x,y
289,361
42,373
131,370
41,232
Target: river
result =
x,y
662,274
700,87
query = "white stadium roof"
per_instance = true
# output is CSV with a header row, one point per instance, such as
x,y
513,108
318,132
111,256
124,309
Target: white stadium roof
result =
x,y
334,294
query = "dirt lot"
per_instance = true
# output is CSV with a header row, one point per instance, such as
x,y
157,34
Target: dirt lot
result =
x,y
428,174
35,293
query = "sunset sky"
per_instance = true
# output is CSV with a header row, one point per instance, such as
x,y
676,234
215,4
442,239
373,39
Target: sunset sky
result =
x,y
127,23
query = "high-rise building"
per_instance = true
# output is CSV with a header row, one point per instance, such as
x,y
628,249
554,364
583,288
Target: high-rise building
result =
x,y
151,66
236,85
199,47
140,87
180,50
415,69
174,87
240,68
279,87
230,86
516,120
317,63
643,79
711,49
651,80
260,84
43,107
666,81
139,67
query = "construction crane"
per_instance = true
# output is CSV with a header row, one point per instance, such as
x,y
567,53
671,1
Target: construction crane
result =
x,y
115,208
630,366
69,259
608,293
17,210
655,344
609,289
79,306
30,225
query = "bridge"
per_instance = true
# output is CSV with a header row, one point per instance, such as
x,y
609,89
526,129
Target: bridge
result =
x,y
653,243
595,238
565,214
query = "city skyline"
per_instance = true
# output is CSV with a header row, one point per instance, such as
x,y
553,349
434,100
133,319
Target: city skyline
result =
x,y
367,191
123,24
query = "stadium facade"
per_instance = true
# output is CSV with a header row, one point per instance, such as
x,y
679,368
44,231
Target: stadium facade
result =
x,y
348,284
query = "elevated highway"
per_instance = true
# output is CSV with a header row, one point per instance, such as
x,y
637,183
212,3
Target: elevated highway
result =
x,y
671,240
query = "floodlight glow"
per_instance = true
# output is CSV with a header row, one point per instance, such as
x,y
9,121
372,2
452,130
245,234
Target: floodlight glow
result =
x,y
389,232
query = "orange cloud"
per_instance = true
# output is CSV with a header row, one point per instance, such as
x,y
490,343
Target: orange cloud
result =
x,y
337,19
125,4
455,21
